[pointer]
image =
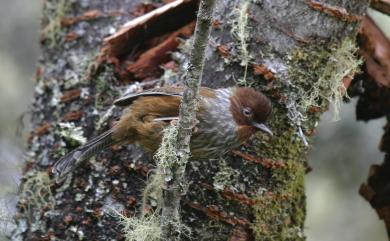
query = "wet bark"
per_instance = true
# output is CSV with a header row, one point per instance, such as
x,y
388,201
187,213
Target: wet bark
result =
x,y
282,48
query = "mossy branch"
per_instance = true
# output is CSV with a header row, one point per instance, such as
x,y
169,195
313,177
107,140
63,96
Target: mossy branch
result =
x,y
175,180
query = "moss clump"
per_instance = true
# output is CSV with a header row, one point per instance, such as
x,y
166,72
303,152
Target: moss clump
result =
x,y
272,221
54,12
147,226
316,74
279,212
343,62
284,145
318,71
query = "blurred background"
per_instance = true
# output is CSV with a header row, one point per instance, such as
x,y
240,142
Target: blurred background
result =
x,y
19,51
340,158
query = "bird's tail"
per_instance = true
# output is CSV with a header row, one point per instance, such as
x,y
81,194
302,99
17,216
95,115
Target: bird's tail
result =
x,y
69,162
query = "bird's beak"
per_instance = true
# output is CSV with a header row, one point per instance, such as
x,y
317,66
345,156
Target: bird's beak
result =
x,y
263,128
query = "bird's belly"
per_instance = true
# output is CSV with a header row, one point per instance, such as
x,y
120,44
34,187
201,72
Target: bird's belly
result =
x,y
203,145
212,144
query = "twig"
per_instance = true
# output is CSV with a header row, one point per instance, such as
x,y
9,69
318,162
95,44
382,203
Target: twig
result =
x,y
187,118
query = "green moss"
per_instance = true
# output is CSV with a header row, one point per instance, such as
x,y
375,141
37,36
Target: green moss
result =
x,y
317,73
54,12
279,214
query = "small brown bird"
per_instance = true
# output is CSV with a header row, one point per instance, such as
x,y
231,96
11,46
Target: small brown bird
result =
x,y
227,118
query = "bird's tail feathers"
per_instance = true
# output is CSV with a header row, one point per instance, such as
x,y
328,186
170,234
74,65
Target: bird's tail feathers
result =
x,y
69,162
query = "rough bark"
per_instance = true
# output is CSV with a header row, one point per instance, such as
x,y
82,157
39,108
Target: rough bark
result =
x,y
257,192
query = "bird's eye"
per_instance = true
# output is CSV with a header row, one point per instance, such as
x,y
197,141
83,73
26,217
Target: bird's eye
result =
x,y
247,112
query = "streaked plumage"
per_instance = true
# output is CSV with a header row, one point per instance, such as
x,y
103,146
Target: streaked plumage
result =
x,y
227,117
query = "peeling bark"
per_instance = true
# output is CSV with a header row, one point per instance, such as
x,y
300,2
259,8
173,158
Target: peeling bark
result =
x,y
373,89
381,6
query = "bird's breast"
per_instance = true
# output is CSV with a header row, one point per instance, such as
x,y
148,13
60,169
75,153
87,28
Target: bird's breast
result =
x,y
216,132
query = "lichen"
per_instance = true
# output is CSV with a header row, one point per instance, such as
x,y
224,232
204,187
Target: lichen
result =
x,y
153,190
145,228
315,79
166,155
72,134
343,62
105,92
36,195
54,13
148,225
317,74
80,68
226,176
240,31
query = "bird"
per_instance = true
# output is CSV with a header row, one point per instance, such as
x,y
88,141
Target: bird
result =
x,y
226,118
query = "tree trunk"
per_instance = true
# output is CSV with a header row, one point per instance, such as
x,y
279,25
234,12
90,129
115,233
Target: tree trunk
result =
x,y
299,53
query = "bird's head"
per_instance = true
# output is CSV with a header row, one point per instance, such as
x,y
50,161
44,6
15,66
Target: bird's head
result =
x,y
250,110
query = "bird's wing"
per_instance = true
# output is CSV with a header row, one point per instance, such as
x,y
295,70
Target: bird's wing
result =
x,y
162,91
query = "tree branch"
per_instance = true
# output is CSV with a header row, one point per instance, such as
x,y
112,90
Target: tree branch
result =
x,y
187,119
